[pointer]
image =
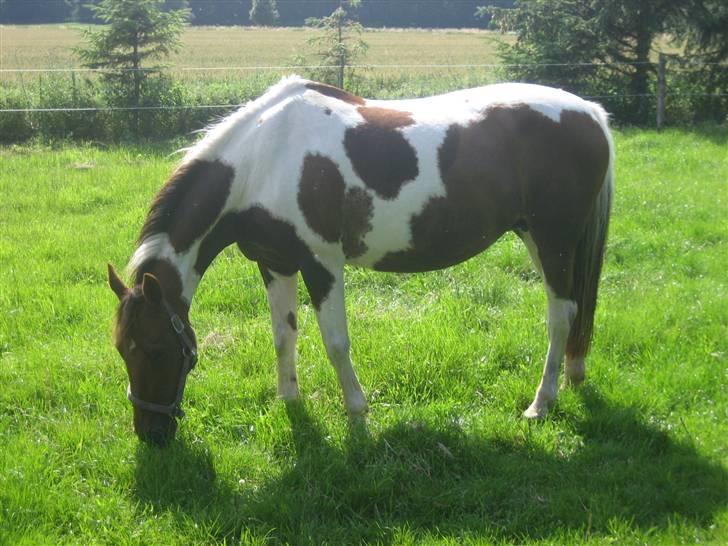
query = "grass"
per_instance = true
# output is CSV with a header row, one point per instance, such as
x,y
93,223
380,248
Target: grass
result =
x,y
448,360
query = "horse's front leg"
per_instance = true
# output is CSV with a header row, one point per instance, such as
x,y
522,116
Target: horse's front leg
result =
x,y
326,287
282,300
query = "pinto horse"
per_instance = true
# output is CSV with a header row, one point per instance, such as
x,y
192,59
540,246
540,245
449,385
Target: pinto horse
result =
x,y
308,178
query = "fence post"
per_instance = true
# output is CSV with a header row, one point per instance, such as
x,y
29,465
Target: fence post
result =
x,y
661,91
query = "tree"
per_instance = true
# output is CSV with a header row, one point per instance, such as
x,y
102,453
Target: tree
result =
x,y
136,31
595,47
264,12
339,43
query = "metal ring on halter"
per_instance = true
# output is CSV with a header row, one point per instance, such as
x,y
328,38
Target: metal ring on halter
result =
x,y
189,352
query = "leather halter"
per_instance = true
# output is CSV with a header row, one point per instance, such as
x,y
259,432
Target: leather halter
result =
x,y
189,352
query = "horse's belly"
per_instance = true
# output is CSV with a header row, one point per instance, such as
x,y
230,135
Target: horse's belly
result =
x,y
443,250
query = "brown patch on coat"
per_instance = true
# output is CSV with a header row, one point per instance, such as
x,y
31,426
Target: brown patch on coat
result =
x,y
336,93
320,196
189,203
358,210
291,318
513,167
380,154
336,215
272,243
386,118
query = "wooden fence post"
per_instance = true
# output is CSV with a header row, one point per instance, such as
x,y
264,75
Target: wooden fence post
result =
x,y
661,91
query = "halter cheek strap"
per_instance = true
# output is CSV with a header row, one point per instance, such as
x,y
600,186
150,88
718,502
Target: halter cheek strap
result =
x,y
189,353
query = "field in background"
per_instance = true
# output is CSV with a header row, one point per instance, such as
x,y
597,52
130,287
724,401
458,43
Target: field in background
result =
x,y
185,101
51,46
448,360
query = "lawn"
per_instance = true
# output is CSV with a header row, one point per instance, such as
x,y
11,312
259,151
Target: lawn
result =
x,y
448,360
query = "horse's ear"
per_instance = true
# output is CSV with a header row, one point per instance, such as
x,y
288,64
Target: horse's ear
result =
x,y
116,284
151,289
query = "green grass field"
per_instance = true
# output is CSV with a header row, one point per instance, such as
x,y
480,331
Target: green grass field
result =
x,y
448,359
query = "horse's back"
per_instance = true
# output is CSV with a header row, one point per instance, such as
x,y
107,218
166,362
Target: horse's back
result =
x,y
411,185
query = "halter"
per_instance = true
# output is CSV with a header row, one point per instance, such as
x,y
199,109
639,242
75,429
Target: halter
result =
x,y
189,352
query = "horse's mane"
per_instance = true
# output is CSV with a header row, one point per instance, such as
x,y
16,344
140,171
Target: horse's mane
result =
x,y
164,204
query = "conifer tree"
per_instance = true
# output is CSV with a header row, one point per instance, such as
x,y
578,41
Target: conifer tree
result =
x,y
135,32
339,43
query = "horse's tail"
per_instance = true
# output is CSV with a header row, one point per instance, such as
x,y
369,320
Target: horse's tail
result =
x,y
590,256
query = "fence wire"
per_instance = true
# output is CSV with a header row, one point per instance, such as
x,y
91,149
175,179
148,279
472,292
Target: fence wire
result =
x,y
681,65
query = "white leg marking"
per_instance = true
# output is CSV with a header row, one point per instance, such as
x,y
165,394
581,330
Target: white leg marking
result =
x,y
332,323
282,300
574,369
560,316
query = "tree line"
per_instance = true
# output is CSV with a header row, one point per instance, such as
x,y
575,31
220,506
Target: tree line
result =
x,y
371,13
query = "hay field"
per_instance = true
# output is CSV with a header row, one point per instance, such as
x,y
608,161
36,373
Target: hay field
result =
x,y
51,46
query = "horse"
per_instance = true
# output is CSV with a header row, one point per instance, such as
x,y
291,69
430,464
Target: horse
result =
x,y
309,177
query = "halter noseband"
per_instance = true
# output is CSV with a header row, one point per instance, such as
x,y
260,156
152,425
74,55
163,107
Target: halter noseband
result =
x,y
189,352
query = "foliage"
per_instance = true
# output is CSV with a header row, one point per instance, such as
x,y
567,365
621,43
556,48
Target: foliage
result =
x,y
339,44
136,31
601,48
263,12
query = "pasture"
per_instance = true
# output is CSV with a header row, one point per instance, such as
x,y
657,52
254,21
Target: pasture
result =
x,y
448,360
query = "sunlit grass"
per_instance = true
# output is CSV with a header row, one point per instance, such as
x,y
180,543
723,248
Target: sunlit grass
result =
x,y
448,359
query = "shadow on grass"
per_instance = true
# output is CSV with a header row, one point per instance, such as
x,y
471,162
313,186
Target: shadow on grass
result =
x,y
451,484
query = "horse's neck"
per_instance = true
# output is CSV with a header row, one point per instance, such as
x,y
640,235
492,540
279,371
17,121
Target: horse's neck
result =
x,y
220,160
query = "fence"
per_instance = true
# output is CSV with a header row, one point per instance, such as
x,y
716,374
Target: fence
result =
x,y
660,97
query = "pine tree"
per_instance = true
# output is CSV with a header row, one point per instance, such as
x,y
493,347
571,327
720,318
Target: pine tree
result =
x,y
339,43
135,32
264,12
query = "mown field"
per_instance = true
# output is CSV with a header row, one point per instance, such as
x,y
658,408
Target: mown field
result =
x,y
51,46
448,359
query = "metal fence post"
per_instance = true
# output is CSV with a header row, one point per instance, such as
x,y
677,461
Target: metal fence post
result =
x,y
661,89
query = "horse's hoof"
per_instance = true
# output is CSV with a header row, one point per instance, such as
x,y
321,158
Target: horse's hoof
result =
x,y
535,412
358,408
572,381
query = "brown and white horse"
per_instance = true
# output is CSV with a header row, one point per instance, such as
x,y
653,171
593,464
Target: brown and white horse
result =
x,y
308,178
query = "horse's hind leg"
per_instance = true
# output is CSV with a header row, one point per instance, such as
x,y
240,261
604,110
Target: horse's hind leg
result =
x,y
282,300
331,316
556,273
574,371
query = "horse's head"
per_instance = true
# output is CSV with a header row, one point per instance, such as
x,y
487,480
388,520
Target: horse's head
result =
x,y
159,350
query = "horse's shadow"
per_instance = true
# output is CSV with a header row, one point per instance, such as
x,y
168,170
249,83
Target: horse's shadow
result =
x,y
613,468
